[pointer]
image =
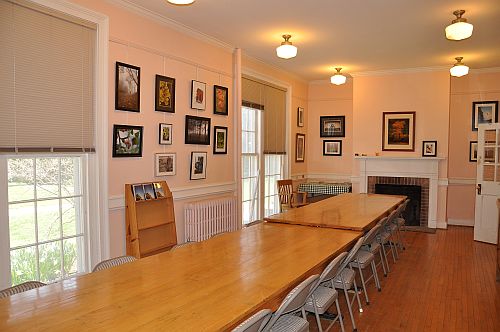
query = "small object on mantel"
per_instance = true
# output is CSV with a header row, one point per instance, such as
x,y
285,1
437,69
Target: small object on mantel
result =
x,y
363,155
377,154
356,154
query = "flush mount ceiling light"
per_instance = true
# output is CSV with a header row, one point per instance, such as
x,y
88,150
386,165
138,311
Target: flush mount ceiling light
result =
x,y
180,2
338,78
286,50
459,28
459,69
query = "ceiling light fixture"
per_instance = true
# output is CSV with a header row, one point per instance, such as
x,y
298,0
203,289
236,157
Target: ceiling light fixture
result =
x,y
459,69
459,28
286,50
338,78
181,2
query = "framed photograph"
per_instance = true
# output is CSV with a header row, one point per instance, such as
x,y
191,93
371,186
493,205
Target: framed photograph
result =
x,y
300,117
138,191
198,166
127,87
332,126
429,148
159,192
332,148
220,100
198,95
197,130
165,134
165,164
127,141
473,151
398,131
484,112
149,192
164,94
300,148
220,140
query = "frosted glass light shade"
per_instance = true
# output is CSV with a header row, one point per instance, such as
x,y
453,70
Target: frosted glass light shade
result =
x,y
286,51
338,79
459,70
181,2
459,31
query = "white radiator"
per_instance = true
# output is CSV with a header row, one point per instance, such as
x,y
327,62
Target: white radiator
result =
x,y
205,219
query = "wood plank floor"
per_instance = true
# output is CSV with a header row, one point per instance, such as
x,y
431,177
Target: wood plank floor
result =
x,y
442,282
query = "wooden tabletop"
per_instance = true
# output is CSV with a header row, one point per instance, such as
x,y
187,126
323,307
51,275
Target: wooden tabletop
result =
x,y
357,212
208,286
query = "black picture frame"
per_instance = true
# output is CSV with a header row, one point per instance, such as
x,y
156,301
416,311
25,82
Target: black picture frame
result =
x,y
198,166
220,140
332,126
127,141
198,95
197,130
326,151
473,151
221,95
164,94
429,148
127,77
478,114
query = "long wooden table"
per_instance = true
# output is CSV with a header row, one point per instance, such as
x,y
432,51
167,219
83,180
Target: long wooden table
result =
x,y
358,212
207,286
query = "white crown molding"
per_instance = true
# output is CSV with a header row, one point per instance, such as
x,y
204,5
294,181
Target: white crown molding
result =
x,y
129,5
400,71
181,193
275,67
330,99
484,70
460,222
477,92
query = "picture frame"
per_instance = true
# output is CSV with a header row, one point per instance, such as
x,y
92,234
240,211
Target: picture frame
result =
x,y
127,141
165,164
429,148
164,94
473,151
221,95
398,131
300,117
197,130
300,148
165,134
198,166
127,87
332,126
159,192
484,112
332,148
138,191
220,140
149,192
198,95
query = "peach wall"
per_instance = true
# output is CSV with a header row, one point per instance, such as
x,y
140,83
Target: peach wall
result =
x,y
462,173
158,49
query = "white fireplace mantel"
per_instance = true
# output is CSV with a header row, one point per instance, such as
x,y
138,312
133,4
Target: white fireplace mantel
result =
x,y
413,167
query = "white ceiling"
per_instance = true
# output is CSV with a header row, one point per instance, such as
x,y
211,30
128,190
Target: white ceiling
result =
x,y
358,35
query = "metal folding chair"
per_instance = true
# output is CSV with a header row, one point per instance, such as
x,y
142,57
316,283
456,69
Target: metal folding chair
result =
x,y
255,323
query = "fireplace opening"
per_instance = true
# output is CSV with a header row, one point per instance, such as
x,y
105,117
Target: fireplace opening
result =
x,y
412,212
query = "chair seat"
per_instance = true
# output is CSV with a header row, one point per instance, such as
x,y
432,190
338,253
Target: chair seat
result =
x,y
399,221
373,247
324,296
362,259
347,275
393,227
290,323
383,237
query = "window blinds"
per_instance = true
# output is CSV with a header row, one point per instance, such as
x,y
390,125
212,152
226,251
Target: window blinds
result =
x,y
272,100
47,87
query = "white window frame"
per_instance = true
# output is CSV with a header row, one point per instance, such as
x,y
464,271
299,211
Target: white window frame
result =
x,y
97,179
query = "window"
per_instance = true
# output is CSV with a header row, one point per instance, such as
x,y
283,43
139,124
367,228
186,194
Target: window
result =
x,y
274,172
46,217
250,161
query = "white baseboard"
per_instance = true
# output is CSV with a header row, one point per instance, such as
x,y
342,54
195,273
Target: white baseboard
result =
x,y
441,225
460,222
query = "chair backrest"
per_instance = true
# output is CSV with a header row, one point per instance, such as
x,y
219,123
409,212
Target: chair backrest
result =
x,y
113,262
382,224
350,256
177,246
295,299
332,268
392,216
285,190
255,323
372,233
20,288
402,207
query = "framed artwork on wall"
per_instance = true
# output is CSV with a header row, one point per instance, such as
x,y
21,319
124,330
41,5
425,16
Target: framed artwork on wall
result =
x,y
164,94
484,112
220,140
300,117
220,100
473,151
300,148
165,164
332,148
165,134
198,166
332,126
127,141
198,95
127,87
398,131
197,130
429,148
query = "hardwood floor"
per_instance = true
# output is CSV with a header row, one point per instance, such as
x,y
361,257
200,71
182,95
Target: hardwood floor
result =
x,y
442,282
